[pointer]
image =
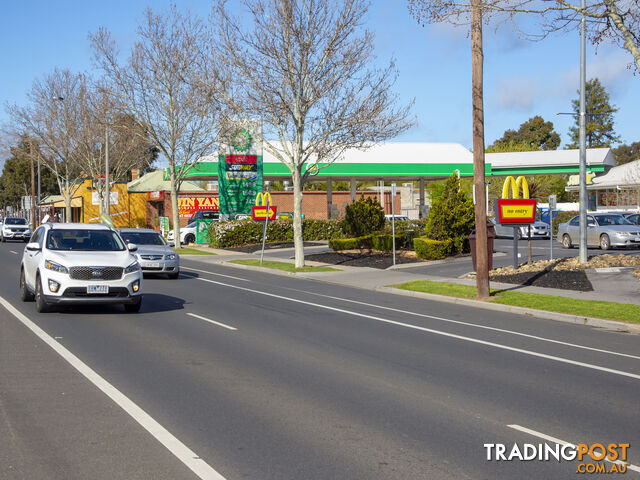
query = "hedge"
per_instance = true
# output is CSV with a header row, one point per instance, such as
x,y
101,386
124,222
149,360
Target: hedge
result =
x,y
235,233
428,249
364,242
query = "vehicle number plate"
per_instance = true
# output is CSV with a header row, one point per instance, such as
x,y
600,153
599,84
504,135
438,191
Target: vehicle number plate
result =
x,y
98,289
153,264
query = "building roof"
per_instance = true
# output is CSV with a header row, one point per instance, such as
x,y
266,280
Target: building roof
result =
x,y
153,181
548,161
623,176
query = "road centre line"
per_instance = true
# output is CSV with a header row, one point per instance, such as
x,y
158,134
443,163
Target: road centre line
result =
x,y
211,321
459,322
430,330
14,252
551,439
166,438
213,273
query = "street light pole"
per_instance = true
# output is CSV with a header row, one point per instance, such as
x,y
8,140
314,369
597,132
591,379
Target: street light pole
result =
x,y
583,142
106,167
33,187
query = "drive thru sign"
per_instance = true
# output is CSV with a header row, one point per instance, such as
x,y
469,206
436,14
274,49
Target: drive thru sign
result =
x,y
263,210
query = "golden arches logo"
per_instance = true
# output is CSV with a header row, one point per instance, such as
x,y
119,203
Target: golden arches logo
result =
x,y
263,199
515,187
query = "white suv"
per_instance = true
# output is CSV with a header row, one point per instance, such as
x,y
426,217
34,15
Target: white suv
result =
x,y
67,263
15,228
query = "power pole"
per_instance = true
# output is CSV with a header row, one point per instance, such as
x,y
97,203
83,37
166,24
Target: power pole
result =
x,y
482,260
106,167
583,146
33,187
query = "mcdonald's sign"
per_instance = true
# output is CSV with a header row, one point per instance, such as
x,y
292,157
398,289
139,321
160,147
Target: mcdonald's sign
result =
x,y
263,209
515,210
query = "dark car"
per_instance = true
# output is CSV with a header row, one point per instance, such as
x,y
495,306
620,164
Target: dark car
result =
x,y
205,215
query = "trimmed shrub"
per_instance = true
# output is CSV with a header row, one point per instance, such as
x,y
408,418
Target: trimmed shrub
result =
x,y
451,216
363,217
364,242
562,217
384,242
429,249
235,233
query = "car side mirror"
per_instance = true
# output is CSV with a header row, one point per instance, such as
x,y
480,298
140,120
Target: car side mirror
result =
x,y
33,247
132,247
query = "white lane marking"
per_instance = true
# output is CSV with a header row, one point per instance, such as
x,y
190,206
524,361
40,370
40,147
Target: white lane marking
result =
x,y
211,321
213,273
563,442
459,322
14,252
166,438
430,330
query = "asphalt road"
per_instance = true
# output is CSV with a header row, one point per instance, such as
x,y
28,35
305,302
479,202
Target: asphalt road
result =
x,y
299,379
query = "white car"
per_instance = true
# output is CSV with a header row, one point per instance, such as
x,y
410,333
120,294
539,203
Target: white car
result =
x,y
70,263
187,234
15,228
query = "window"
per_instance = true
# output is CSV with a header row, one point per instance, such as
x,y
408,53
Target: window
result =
x,y
15,221
38,236
143,238
84,240
575,221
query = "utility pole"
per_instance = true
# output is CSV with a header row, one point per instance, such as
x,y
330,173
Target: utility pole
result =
x,y
106,168
482,256
583,145
33,187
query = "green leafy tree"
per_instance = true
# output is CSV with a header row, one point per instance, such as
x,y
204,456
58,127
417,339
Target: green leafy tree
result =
x,y
626,153
451,216
16,179
363,217
599,121
534,134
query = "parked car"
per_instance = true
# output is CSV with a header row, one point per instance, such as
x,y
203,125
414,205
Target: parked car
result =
x,y
605,230
70,263
154,254
399,218
15,228
538,230
205,215
187,234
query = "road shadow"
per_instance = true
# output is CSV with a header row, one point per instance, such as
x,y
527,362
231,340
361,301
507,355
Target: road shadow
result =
x,y
151,303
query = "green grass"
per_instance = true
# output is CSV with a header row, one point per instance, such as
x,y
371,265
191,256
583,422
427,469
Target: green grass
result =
x,y
287,267
192,251
588,308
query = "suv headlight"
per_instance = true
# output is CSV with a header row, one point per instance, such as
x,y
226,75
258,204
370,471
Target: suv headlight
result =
x,y
171,256
56,267
134,267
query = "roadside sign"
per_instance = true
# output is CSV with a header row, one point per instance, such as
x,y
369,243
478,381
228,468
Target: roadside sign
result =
x,y
259,213
552,202
516,210
202,230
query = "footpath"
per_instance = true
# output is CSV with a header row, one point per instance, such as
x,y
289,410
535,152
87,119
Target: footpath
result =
x,y
611,285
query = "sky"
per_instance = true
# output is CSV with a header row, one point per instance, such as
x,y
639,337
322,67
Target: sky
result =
x,y
521,78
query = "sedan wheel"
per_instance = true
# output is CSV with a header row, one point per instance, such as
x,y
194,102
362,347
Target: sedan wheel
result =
x,y
41,304
605,242
189,239
566,241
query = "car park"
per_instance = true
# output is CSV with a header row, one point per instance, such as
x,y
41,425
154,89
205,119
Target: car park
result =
x,y
538,230
71,263
187,234
605,230
154,254
15,228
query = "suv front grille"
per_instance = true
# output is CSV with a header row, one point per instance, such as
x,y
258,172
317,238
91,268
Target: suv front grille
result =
x,y
96,273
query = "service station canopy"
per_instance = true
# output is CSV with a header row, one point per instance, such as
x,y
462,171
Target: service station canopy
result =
x,y
405,161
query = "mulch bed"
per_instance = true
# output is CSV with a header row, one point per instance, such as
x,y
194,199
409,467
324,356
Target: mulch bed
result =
x,y
374,260
257,247
564,279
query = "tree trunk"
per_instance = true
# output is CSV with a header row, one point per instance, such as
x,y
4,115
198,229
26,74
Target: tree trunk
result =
x,y
67,204
482,260
298,241
174,207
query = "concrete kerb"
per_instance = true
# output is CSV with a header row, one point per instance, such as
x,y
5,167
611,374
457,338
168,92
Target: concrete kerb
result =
x,y
610,325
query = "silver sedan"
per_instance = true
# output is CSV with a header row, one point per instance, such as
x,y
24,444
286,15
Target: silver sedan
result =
x,y
154,255
538,230
605,230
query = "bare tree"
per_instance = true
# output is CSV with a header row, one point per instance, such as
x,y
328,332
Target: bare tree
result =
x,y
53,124
616,20
304,68
160,84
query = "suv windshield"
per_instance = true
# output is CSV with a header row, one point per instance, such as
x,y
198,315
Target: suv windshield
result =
x,y
143,238
84,240
15,221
